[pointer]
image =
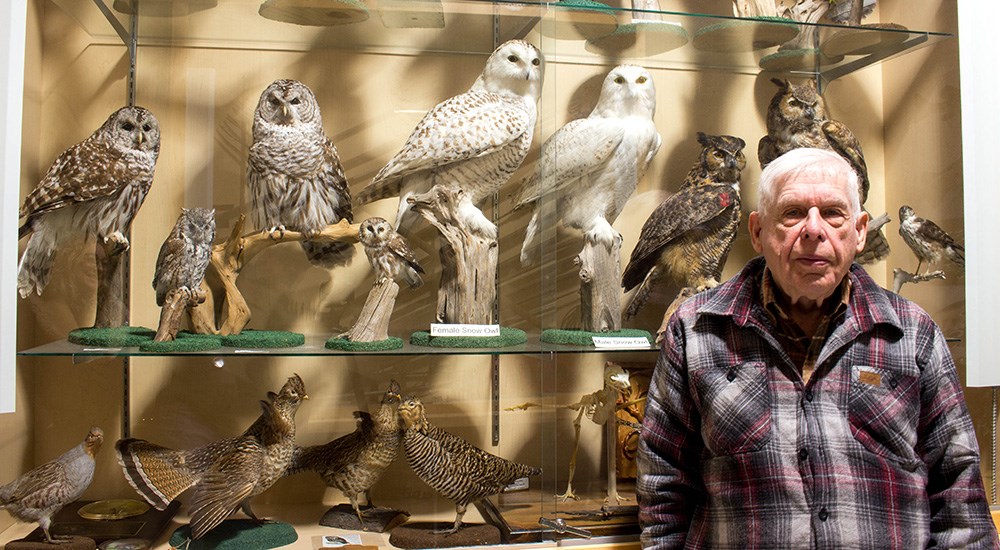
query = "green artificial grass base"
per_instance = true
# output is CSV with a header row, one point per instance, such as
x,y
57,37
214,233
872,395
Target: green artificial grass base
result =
x,y
116,337
185,341
508,337
264,339
586,338
237,534
344,344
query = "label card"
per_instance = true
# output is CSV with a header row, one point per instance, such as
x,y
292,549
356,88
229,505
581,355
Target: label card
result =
x,y
473,331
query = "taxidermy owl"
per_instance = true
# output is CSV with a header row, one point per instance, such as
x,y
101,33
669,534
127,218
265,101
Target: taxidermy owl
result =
x,y
473,141
591,166
184,256
689,235
94,188
797,118
294,175
928,241
389,254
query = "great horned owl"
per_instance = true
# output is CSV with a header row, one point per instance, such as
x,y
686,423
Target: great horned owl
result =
x,y
797,118
94,188
473,141
184,256
591,166
389,254
689,235
294,175
927,240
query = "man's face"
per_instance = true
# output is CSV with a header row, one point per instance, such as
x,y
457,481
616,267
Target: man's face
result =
x,y
809,235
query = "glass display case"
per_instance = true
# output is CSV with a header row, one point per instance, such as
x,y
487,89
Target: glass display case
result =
x,y
376,69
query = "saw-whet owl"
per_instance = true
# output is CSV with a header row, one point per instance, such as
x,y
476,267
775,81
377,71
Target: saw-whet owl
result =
x,y
591,166
927,240
689,235
94,188
473,141
294,175
797,117
184,255
389,253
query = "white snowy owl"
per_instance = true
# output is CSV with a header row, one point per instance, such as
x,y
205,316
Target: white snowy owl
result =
x,y
473,141
591,166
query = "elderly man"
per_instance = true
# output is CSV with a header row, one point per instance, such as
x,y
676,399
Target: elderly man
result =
x,y
800,405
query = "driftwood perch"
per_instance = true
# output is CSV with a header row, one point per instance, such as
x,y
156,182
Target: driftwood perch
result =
x,y
229,258
174,306
755,8
112,272
901,277
600,289
467,290
373,322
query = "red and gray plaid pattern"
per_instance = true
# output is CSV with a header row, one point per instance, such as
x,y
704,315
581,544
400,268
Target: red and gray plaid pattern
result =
x,y
877,450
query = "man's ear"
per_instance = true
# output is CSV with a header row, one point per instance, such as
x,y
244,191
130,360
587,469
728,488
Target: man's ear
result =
x,y
753,224
862,228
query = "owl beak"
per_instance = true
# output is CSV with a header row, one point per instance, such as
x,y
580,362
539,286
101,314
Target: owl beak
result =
x,y
284,111
142,137
810,112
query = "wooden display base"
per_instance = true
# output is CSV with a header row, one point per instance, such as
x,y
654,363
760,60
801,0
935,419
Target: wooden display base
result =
x,y
422,535
864,41
745,36
576,19
641,39
315,13
411,14
237,534
67,522
376,520
801,59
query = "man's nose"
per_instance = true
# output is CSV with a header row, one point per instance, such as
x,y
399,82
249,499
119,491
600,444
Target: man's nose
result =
x,y
812,227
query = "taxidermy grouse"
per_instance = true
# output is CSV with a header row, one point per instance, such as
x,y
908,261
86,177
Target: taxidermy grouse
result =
x,y
226,474
451,465
354,462
40,493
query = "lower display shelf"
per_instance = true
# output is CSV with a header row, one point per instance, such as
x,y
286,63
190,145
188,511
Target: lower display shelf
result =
x,y
310,534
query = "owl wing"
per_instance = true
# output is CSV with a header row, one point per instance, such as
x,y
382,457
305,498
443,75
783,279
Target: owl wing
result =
x,y
171,257
767,150
843,140
338,180
679,213
575,150
469,125
84,172
398,245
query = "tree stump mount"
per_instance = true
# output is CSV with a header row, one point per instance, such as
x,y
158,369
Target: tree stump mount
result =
x,y
112,279
600,285
373,322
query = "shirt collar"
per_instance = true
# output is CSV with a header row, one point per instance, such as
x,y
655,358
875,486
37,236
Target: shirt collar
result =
x,y
832,307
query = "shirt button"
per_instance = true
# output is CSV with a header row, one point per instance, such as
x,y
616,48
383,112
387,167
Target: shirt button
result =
x,y
803,454
809,395
823,514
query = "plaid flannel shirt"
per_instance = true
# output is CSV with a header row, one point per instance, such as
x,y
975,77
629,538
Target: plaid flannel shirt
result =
x,y
877,450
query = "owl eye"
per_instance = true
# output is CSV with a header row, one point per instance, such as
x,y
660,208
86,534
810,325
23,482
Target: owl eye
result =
x,y
146,127
640,80
128,126
512,58
295,101
536,62
274,101
619,80
718,154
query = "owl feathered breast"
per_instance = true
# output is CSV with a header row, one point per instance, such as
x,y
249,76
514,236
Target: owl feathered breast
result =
x,y
185,254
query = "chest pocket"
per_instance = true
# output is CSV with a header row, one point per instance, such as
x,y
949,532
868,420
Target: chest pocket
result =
x,y
884,411
735,407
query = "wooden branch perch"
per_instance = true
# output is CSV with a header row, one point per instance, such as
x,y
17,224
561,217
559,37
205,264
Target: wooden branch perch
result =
x,y
901,277
467,290
176,302
229,258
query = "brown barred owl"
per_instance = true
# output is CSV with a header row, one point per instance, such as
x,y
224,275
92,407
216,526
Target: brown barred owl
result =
x,y
689,235
94,188
797,118
184,256
389,254
294,175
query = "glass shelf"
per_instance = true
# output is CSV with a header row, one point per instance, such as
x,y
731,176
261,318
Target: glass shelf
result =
x,y
314,346
696,41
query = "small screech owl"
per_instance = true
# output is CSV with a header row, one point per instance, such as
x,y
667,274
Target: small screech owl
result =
x,y
591,166
689,235
94,188
473,141
184,256
295,178
389,254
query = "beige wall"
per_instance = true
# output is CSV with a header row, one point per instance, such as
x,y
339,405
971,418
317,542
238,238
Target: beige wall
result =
x,y
204,96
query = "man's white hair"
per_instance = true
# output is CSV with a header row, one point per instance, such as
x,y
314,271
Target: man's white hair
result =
x,y
807,161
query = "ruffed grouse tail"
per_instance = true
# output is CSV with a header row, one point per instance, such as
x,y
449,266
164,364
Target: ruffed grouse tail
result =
x,y
157,473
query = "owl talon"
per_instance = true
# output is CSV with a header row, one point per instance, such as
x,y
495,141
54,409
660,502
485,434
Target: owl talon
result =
x,y
118,240
276,233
